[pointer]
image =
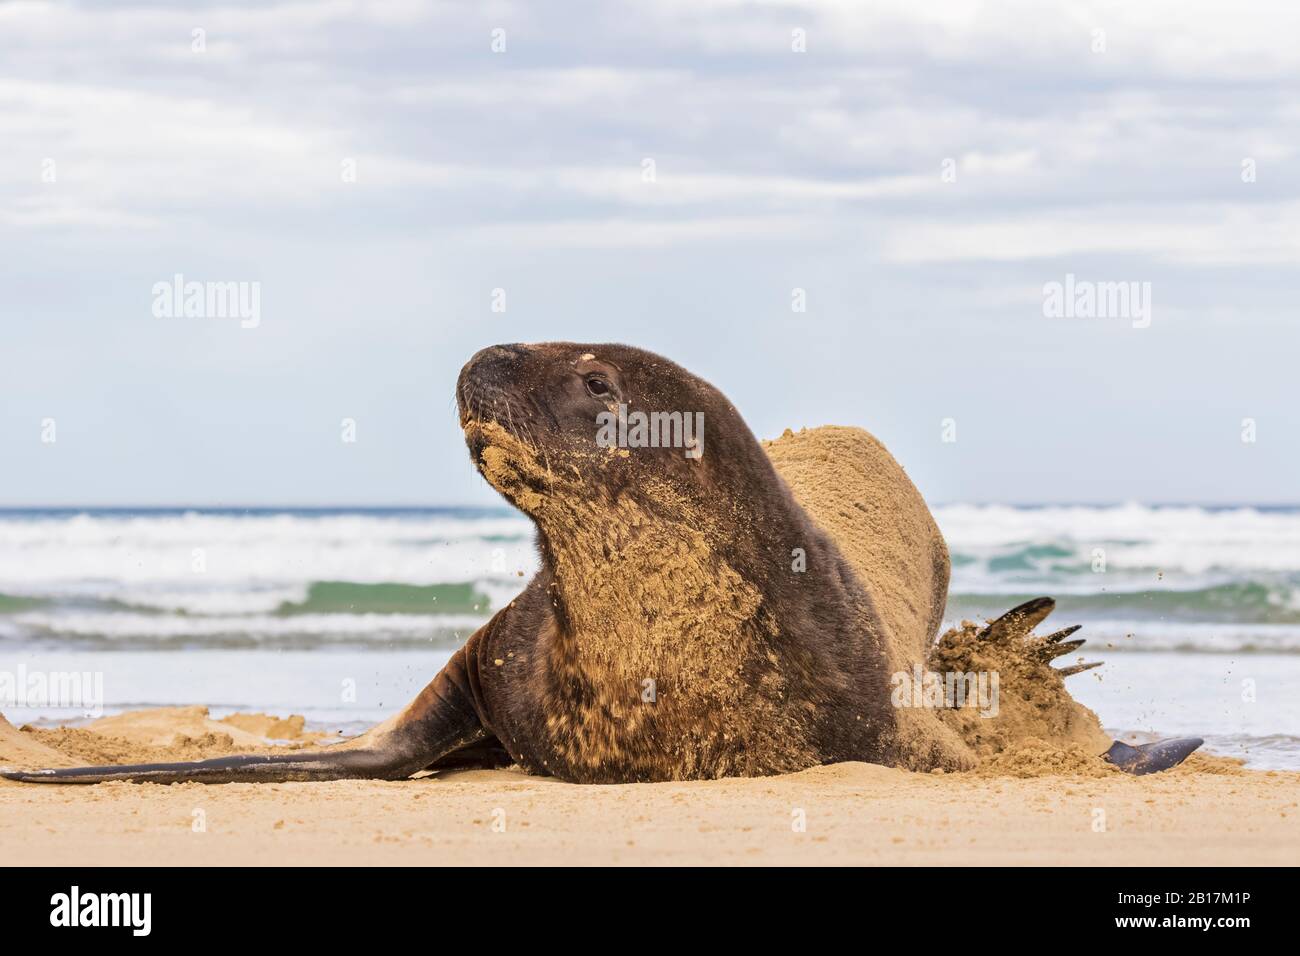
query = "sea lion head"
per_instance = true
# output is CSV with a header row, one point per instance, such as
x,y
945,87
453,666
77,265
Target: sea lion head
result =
x,y
658,539
553,424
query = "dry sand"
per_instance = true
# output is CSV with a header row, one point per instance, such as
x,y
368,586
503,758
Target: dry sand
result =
x,y
1026,807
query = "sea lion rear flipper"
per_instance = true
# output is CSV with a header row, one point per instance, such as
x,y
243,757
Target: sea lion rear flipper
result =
x,y
1019,623
1152,757
441,719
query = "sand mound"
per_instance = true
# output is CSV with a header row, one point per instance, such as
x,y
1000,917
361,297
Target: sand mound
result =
x,y
269,727
26,752
1033,703
158,735
1199,763
1038,758
161,726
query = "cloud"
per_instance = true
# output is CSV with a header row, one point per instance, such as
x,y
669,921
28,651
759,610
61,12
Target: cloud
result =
x,y
920,170
1198,235
626,233
143,128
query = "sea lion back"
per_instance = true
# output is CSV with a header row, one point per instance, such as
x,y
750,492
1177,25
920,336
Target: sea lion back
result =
x,y
855,491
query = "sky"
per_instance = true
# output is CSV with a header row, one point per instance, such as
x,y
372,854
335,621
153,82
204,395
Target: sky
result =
x,y
679,175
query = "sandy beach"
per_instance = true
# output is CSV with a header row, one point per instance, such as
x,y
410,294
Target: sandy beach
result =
x,y
1207,812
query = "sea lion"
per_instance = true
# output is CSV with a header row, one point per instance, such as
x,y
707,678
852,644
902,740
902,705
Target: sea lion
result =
x,y
690,620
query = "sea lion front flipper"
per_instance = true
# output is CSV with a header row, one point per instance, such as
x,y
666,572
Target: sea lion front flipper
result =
x,y
441,719
1152,757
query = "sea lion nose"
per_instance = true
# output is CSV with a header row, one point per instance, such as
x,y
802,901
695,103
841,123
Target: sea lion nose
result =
x,y
489,370
489,363
497,351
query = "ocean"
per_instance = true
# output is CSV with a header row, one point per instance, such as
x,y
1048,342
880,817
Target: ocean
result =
x,y
342,615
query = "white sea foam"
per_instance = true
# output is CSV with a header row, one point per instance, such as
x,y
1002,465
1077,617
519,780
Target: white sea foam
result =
x,y
1192,540
124,625
196,553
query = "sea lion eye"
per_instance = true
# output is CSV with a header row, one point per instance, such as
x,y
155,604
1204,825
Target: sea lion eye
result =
x,y
597,386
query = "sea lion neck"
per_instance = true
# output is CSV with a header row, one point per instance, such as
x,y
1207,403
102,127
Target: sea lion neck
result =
x,y
641,593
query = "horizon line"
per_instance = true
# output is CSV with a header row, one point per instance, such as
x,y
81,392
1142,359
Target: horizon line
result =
x,y
504,506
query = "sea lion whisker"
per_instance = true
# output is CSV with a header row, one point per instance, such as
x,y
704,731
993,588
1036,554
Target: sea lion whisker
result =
x,y
510,419
533,442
